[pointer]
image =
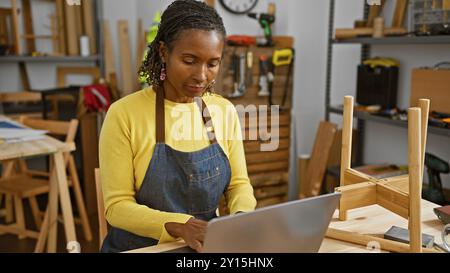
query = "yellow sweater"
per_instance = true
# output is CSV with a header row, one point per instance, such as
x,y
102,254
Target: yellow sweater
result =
x,y
127,141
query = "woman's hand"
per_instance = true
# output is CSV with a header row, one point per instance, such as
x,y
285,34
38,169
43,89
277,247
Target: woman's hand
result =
x,y
193,232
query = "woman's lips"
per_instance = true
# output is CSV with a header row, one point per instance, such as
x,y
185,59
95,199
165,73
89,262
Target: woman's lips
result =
x,y
195,89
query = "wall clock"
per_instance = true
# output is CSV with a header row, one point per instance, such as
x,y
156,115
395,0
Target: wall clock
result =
x,y
238,6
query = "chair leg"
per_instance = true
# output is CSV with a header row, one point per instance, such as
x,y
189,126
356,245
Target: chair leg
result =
x,y
20,219
9,209
36,212
79,200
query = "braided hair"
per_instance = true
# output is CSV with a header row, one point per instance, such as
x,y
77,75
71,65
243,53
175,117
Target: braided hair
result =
x,y
180,15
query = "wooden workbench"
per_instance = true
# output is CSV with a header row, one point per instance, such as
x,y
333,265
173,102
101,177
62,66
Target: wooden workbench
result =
x,y
373,220
58,184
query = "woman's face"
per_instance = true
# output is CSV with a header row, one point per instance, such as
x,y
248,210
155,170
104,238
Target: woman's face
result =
x,y
193,62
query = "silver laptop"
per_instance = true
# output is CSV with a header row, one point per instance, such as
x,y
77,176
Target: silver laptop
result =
x,y
291,227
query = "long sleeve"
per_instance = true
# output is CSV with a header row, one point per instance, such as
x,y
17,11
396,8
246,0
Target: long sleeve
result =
x,y
239,194
118,181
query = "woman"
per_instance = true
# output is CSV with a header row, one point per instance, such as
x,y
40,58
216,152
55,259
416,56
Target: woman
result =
x,y
159,187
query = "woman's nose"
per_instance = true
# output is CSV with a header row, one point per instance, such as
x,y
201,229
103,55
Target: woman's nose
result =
x,y
200,74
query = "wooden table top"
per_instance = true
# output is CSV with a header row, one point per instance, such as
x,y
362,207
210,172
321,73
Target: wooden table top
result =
x,y
46,145
373,220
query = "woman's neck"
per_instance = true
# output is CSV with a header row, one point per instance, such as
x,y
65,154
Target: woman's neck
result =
x,y
170,93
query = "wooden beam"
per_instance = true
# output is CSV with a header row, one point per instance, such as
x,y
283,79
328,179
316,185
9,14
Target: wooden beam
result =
x,y
62,46
347,129
15,27
28,25
347,33
374,12
110,64
415,179
393,200
127,70
364,240
399,13
357,195
352,176
89,26
424,105
140,50
71,30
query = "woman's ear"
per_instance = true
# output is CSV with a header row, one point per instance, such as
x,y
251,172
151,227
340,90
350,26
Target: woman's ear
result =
x,y
163,52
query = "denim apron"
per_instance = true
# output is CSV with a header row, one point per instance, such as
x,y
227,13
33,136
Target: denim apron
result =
x,y
175,181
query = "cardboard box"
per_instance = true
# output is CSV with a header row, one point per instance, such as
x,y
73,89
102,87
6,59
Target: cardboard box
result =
x,y
428,83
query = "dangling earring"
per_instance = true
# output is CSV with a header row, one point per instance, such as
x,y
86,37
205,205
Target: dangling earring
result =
x,y
211,85
162,75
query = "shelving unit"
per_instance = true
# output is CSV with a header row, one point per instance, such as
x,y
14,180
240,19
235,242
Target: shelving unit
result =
x,y
366,42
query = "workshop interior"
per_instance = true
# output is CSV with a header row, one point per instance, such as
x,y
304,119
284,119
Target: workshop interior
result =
x,y
344,108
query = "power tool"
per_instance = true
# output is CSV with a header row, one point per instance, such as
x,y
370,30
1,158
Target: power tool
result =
x,y
265,20
435,167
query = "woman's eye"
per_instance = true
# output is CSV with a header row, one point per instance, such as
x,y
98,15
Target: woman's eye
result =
x,y
212,65
188,61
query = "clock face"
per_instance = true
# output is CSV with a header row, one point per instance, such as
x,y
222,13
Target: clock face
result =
x,y
239,6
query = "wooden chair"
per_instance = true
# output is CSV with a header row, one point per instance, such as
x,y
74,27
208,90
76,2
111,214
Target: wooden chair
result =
x,y
22,97
102,224
312,169
30,183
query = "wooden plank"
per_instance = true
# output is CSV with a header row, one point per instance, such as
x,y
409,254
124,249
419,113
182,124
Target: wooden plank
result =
x,y
271,201
270,191
110,65
71,30
89,25
125,58
254,146
262,157
415,178
253,120
352,176
268,167
28,25
79,20
141,43
24,76
357,195
255,134
89,137
4,34
62,46
17,97
364,240
15,27
399,13
319,158
347,130
268,178
392,200
347,33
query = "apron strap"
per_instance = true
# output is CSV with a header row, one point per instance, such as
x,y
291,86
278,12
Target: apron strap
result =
x,y
206,120
160,121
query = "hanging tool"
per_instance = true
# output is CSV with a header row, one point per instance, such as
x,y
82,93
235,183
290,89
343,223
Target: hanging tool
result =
x,y
249,76
435,167
242,69
265,76
265,20
282,57
235,69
